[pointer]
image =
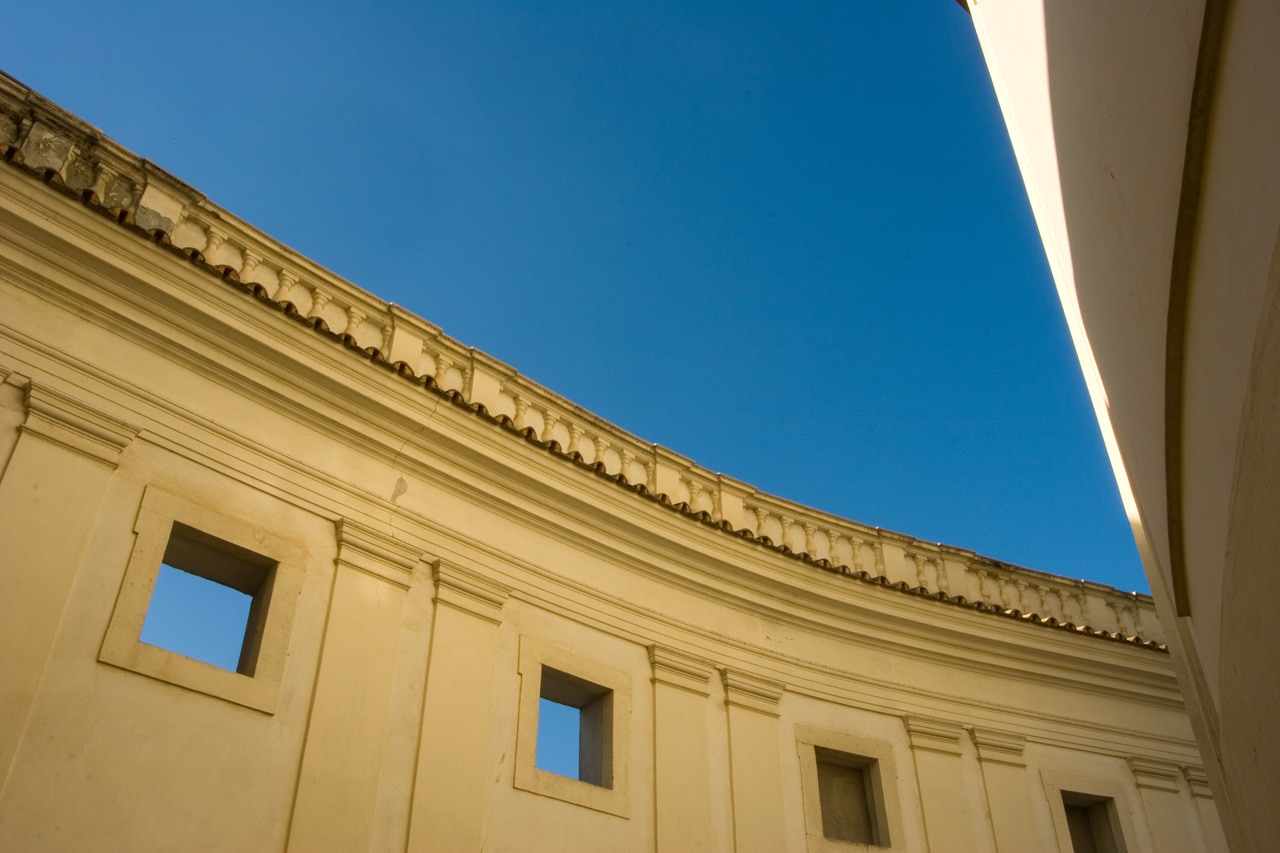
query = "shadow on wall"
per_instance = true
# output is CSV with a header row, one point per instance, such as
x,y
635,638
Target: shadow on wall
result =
x,y
1121,81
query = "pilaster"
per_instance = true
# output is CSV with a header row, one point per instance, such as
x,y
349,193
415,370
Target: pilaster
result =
x,y
1158,786
937,751
755,763
1206,811
50,496
682,768
457,717
1007,789
342,757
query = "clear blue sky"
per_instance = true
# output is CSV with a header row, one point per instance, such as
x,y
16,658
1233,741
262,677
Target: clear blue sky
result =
x,y
787,240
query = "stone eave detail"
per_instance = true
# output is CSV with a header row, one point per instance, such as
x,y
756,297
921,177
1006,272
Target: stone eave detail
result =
x,y
50,144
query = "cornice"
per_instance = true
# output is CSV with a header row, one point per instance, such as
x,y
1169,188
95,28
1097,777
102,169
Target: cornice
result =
x,y
76,160
644,627
265,468
690,565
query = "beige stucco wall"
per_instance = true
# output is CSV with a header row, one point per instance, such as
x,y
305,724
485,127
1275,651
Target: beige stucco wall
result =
x,y
430,559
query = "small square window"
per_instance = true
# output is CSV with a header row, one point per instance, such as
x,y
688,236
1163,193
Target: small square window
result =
x,y
849,788
206,602
210,600
847,796
1096,811
1091,820
572,732
575,728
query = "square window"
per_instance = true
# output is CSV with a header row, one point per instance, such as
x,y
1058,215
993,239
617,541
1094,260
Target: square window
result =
x,y
572,729
846,796
206,602
1095,814
575,728
210,600
1092,823
849,788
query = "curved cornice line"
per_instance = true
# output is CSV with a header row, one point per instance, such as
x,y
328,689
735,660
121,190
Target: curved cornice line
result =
x,y
155,228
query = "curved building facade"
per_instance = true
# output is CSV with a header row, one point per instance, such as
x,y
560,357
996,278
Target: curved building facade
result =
x,y
436,553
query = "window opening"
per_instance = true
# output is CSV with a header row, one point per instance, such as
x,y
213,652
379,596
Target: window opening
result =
x,y
1091,821
559,732
575,728
210,600
847,797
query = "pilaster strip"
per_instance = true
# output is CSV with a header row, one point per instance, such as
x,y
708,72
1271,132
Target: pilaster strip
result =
x,y
469,591
678,669
934,735
57,418
1154,774
752,691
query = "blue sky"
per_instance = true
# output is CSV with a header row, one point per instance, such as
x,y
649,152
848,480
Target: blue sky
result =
x,y
788,241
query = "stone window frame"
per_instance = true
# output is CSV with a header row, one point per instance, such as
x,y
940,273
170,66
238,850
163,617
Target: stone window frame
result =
x,y
122,647
616,799
882,773
1056,782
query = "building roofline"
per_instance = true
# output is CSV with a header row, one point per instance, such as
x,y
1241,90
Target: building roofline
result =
x,y
69,155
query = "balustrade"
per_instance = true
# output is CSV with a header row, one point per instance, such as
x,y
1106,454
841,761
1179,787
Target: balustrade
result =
x,y
115,179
